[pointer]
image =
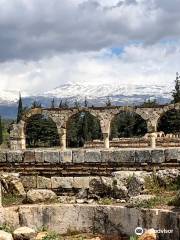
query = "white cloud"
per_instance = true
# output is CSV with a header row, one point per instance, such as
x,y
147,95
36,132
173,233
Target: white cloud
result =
x,y
137,64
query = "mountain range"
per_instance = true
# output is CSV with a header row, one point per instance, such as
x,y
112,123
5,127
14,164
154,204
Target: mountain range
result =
x,y
97,95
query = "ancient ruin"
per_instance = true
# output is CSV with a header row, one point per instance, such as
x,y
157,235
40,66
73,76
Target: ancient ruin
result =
x,y
105,116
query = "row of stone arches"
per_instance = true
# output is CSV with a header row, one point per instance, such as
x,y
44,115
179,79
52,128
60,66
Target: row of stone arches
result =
x,y
124,124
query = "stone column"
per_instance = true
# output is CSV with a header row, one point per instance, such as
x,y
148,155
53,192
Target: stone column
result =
x,y
63,138
153,137
106,140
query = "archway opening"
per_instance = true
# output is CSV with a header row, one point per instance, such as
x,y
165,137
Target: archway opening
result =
x,y
82,127
170,122
41,131
127,125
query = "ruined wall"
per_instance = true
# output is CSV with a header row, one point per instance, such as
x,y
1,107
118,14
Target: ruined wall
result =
x,y
109,220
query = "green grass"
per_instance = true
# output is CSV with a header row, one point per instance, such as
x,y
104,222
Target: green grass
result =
x,y
11,199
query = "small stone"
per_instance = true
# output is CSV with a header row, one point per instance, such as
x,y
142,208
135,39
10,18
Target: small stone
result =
x,y
5,236
80,201
24,233
41,235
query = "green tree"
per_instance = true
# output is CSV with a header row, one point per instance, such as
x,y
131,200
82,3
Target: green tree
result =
x,y
20,109
36,104
53,103
1,131
176,92
108,102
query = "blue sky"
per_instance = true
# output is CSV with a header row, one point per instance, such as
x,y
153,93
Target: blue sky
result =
x,y
44,44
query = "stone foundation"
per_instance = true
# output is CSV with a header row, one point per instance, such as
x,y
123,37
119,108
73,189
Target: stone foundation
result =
x,y
53,156
108,220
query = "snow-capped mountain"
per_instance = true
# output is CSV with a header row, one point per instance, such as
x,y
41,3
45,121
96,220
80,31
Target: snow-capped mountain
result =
x,y
124,94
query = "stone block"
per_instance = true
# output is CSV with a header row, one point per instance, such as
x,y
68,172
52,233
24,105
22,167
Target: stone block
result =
x,y
38,156
106,155
66,156
142,156
29,181
29,156
172,154
43,182
51,156
123,156
15,156
3,157
78,156
158,156
62,182
92,156
81,182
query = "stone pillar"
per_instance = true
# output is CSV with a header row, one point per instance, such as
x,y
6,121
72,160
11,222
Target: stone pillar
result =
x,y
17,137
63,138
106,140
153,137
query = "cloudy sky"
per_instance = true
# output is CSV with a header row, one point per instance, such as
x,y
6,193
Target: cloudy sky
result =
x,y
47,43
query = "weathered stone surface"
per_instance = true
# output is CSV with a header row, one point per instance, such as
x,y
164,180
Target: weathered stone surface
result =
x,y
24,233
2,157
92,156
29,181
167,176
97,218
81,182
142,156
41,235
40,195
157,156
136,186
5,235
51,156
123,156
38,156
66,156
43,182
62,182
29,156
78,156
14,156
172,154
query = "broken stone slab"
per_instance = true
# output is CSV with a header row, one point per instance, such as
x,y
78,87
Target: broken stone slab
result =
x,y
62,182
15,156
5,235
38,156
136,186
92,156
24,233
51,156
139,199
78,156
40,195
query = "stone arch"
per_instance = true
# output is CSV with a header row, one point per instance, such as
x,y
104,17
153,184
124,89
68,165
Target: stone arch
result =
x,y
169,120
82,125
134,119
37,125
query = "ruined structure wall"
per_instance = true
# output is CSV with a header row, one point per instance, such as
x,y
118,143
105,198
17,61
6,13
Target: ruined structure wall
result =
x,y
105,116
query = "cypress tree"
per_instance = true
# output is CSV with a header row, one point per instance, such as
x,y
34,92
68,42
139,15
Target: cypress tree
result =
x,y
1,132
176,92
20,109
53,103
